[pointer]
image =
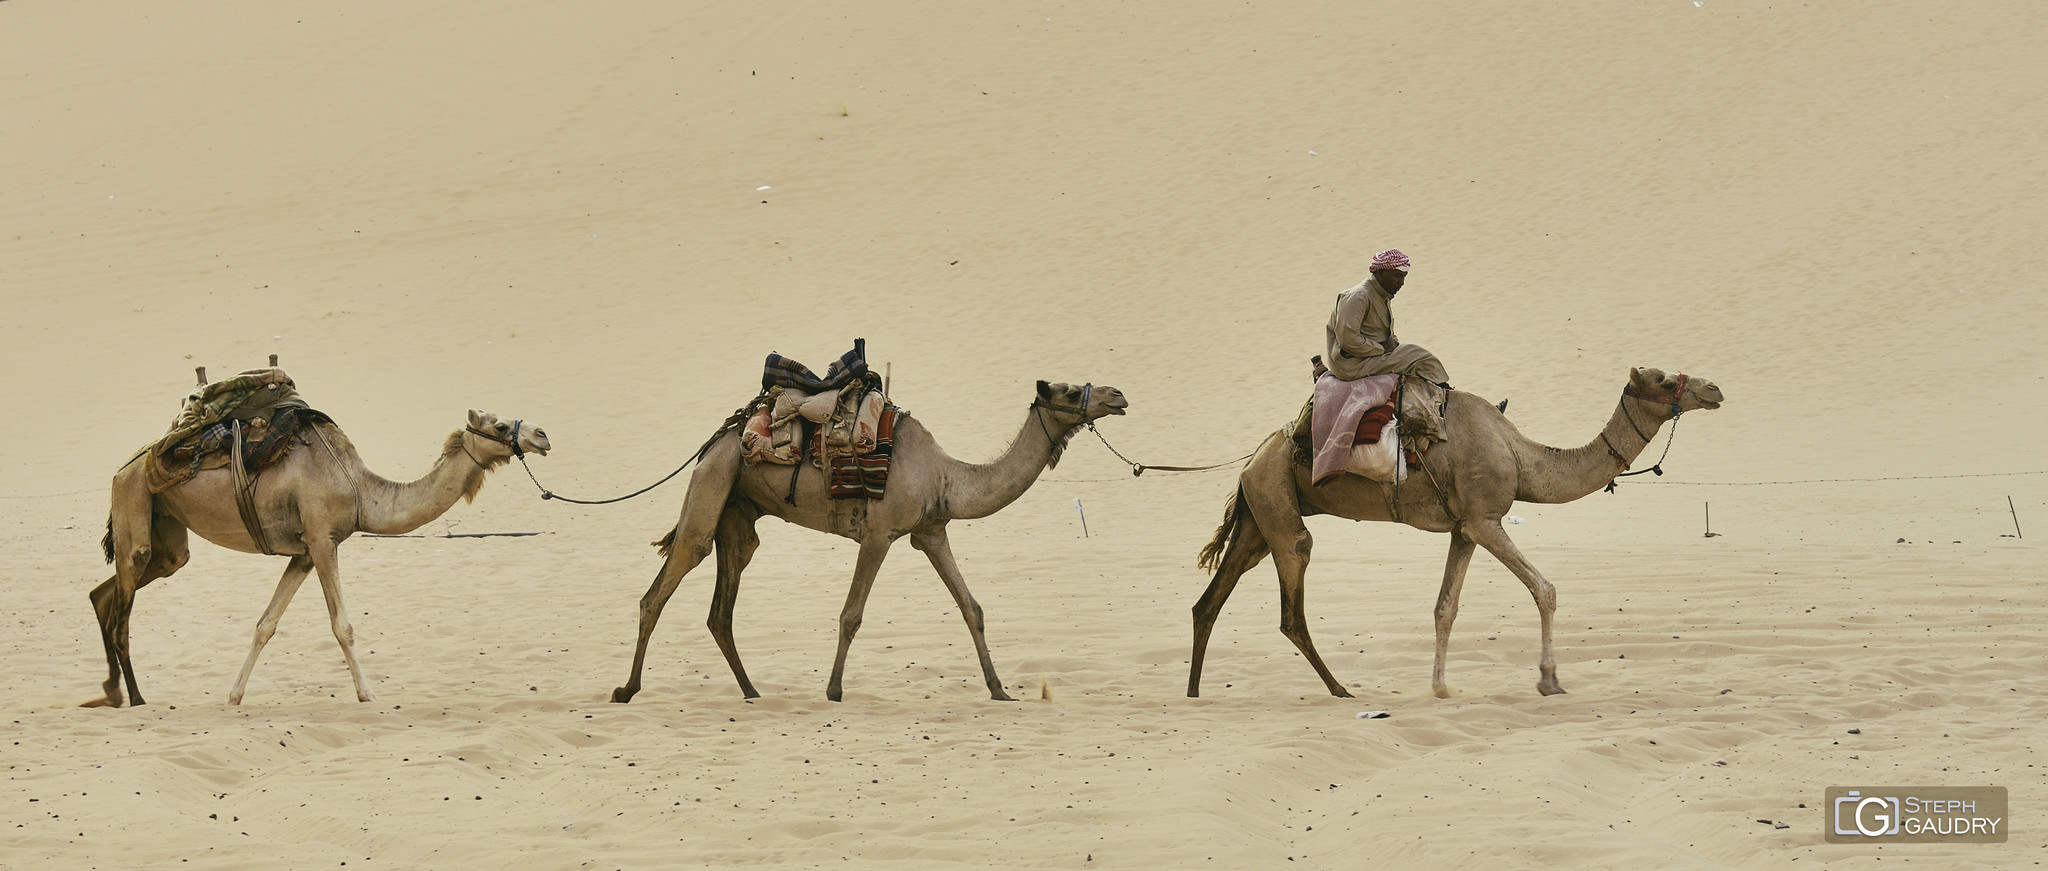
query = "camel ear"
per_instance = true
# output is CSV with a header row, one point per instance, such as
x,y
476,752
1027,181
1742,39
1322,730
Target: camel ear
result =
x,y
1646,375
477,418
1044,390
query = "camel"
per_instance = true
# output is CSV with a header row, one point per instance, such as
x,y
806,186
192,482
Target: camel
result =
x,y
315,497
926,489
1466,485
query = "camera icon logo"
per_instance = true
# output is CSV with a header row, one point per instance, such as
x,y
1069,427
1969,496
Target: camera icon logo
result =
x,y
1872,816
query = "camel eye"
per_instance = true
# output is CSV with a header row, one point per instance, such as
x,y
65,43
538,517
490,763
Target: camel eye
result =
x,y
504,428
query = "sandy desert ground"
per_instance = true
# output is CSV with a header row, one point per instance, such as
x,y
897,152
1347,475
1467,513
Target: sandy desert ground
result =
x,y
599,218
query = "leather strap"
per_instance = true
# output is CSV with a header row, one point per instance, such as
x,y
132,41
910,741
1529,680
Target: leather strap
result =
x,y
245,491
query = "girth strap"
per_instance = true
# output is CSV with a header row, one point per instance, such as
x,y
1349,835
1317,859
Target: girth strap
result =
x,y
245,491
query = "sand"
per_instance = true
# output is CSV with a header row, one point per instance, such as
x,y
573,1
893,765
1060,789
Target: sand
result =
x,y
599,219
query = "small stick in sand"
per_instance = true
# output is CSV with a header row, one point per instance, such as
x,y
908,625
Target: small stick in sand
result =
x,y
2015,517
1044,688
201,371
1710,519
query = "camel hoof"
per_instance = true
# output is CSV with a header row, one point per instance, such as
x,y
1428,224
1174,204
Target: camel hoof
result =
x,y
1000,696
1550,688
1340,692
622,695
1442,692
101,702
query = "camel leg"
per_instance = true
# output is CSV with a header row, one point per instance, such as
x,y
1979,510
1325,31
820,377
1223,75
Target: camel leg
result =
x,y
939,550
681,559
1491,536
1247,548
136,564
1455,565
287,586
328,566
736,542
870,561
690,543
1280,519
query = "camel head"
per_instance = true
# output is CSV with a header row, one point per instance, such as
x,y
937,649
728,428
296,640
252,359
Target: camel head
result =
x,y
1674,393
1079,405
491,441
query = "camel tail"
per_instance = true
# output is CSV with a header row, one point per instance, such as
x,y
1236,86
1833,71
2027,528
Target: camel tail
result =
x,y
1233,514
666,545
107,541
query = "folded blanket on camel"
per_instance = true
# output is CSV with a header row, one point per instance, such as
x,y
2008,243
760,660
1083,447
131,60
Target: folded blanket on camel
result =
x,y
1339,407
846,422
262,404
1352,426
780,371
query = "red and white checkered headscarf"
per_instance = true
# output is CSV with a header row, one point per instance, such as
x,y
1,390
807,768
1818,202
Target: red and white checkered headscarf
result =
x,y
1391,258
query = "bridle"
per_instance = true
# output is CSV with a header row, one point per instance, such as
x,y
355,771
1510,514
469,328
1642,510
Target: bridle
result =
x,y
1672,399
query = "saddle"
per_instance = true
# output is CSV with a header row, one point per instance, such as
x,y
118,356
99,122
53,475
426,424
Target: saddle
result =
x,y
842,423
247,423
1377,427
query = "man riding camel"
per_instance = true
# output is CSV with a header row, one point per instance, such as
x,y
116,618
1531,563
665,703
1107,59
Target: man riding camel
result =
x,y
1361,338
1360,344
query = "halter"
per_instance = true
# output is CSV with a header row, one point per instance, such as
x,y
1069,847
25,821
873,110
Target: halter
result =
x,y
1087,391
511,441
1676,412
1671,399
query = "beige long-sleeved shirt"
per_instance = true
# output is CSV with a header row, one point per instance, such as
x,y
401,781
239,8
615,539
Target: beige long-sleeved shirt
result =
x,y
1361,328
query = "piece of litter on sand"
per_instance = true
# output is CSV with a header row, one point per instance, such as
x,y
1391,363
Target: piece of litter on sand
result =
x,y
1512,519
762,188
1373,715
1776,824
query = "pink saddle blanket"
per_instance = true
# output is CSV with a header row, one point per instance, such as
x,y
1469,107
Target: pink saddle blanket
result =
x,y
1337,416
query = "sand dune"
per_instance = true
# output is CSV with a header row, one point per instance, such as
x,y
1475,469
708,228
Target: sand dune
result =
x,y
600,219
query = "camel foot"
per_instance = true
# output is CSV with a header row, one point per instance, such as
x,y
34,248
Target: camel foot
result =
x,y
1442,691
622,695
1549,687
1000,696
1340,692
101,702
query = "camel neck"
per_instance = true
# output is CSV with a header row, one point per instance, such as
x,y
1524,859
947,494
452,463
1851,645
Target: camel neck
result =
x,y
981,490
392,508
1552,475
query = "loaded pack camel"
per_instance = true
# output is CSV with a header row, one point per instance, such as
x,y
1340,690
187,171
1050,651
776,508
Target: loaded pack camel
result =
x,y
315,497
1466,485
926,489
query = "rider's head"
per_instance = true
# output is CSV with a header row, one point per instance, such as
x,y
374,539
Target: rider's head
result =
x,y
1391,268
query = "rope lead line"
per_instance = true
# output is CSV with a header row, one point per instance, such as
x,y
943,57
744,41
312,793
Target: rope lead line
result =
x,y
546,494
1139,468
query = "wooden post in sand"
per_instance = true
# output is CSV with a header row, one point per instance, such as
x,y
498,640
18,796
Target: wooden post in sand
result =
x,y
885,378
273,361
201,371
